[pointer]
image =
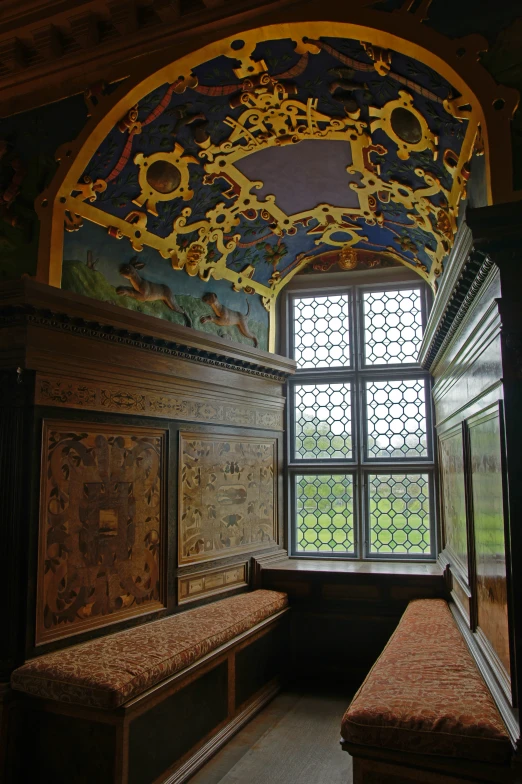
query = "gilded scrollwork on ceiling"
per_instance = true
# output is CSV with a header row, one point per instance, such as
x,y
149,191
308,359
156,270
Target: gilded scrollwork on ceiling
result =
x,y
257,161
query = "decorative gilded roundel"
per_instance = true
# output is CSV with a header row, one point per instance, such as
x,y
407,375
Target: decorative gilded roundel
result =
x,y
405,125
162,177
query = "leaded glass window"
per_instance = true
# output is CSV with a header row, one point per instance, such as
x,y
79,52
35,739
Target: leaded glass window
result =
x,y
399,508
392,326
323,421
396,417
324,508
360,444
321,331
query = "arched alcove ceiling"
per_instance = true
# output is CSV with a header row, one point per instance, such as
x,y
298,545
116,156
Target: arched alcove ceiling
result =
x,y
252,162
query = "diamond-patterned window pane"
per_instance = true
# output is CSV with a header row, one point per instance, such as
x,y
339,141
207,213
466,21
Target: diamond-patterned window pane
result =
x,y
323,427
392,326
325,521
321,331
399,507
396,413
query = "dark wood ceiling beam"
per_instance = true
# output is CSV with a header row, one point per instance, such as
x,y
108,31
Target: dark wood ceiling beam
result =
x,y
49,51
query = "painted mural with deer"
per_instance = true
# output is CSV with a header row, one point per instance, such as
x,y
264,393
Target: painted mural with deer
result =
x,y
99,266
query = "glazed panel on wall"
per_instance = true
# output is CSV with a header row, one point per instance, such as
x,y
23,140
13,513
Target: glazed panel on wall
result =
x,y
490,545
101,526
227,495
453,496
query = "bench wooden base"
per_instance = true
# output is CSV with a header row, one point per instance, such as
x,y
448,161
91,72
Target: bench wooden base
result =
x,y
376,766
164,735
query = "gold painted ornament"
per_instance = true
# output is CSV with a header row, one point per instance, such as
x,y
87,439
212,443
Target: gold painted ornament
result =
x,y
163,176
405,125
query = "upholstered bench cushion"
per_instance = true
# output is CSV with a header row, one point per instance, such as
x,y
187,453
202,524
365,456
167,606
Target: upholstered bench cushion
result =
x,y
107,672
425,694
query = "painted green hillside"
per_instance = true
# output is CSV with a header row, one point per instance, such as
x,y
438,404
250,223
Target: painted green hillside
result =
x,y
77,277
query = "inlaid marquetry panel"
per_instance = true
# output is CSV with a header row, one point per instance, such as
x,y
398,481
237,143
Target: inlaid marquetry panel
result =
x,y
71,393
101,526
215,581
227,495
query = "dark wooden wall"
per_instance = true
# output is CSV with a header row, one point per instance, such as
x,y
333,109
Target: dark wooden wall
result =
x,y
343,613
469,350
144,467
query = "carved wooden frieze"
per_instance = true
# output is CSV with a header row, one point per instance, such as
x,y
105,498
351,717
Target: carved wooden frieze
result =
x,y
101,526
227,495
70,393
209,583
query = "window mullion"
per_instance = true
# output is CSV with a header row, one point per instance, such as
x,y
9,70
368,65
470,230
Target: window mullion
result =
x,y
333,493
359,418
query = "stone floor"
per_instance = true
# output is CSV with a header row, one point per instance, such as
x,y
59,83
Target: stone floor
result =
x,y
294,740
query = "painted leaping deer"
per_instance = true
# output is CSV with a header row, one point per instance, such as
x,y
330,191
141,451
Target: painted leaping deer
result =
x,y
145,290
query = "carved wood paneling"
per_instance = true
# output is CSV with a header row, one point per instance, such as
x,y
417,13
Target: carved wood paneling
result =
x,y
227,495
96,396
471,366
101,550
453,493
462,596
199,585
489,535
466,351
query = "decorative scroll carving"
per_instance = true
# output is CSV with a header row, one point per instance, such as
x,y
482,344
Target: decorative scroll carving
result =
x,y
70,393
405,137
405,125
227,496
101,526
273,115
202,584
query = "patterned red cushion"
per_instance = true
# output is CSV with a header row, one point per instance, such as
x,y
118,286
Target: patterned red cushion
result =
x,y
425,694
107,672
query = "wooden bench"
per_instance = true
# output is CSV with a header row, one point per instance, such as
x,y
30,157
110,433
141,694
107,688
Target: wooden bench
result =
x,y
424,712
152,703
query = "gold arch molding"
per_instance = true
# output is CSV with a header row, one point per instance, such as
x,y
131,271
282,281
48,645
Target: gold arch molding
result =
x,y
486,106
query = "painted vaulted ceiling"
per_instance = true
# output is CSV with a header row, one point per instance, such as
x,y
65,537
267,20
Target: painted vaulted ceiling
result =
x,y
249,167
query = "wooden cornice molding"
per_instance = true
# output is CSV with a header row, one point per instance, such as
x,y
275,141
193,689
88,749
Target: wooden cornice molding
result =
x,y
459,274
489,236
27,303
50,50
